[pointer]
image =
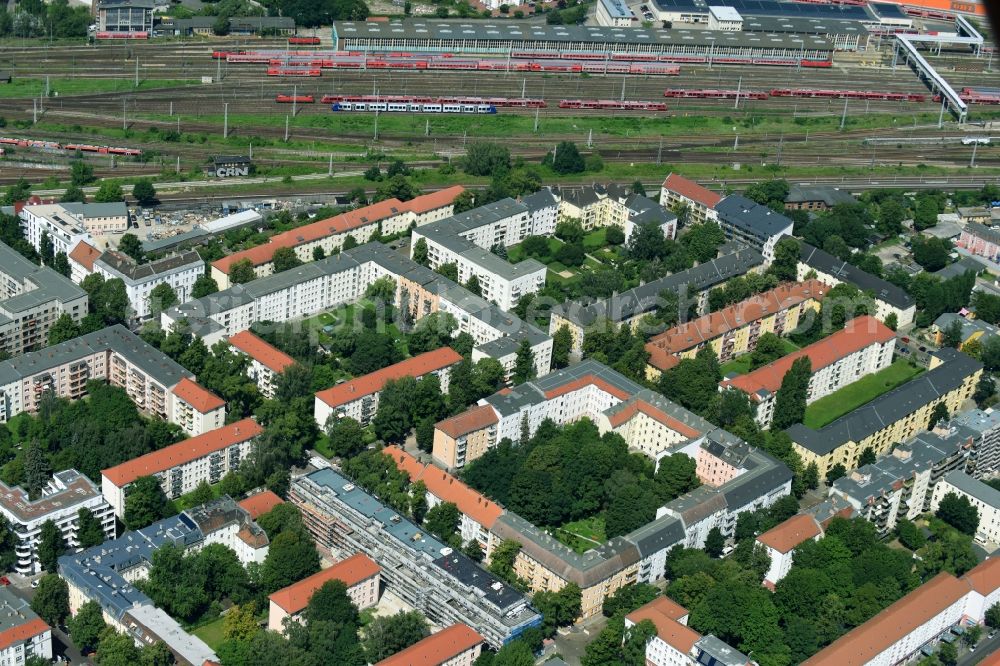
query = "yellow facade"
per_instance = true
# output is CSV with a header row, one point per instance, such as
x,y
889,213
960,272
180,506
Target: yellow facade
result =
x,y
592,598
848,453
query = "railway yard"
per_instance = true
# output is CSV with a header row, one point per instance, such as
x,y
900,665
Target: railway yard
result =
x,y
697,114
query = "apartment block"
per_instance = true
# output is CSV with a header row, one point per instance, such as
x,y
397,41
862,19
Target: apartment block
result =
x,y
440,582
752,223
893,417
107,573
32,298
388,217
649,422
343,278
900,484
81,261
781,541
985,498
266,361
970,329
831,271
69,223
195,409
119,357
863,347
260,503
23,635
181,467
180,271
467,239
358,398
678,191
736,329
61,500
816,197
599,206
359,573
898,633
985,428
457,645
478,512
980,240
629,307
677,644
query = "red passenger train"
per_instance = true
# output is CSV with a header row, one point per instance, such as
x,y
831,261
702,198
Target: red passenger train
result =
x,y
505,102
84,148
848,94
605,104
304,41
294,71
714,94
297,99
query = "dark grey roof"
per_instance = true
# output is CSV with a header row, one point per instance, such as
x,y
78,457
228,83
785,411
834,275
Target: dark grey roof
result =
x,y
751,216
231,159
543,198
423,29
825,262
805,25
986,494
128,268
978,230
38,284
831,196
960,267
116,338
763,475
88,210
472,575
889,407
193,236
646,297
14,611
769,8
713,651
658,535
261,22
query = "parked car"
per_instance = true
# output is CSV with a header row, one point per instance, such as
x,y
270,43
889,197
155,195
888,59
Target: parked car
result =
x,y
4,580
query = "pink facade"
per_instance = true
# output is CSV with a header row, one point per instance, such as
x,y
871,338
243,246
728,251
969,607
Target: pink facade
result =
x,y
979,246
713,471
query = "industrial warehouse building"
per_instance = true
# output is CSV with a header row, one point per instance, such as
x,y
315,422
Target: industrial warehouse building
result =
x,y
503,38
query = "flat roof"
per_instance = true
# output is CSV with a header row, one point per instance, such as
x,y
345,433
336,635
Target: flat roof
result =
x,y
72,489
768,8
422,29
617,9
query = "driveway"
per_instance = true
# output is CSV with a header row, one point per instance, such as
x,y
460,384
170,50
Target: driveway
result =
x,y
571,647
62,645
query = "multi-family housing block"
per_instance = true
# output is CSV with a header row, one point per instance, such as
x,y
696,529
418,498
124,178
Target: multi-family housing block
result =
x,y
900,484
614,205
816,197
781,541
359,574
67,224
23,635
60,501
985,499
115,355
678,191
752,223
266,361
182,466
891,418
32,298
358,398
180,271
980,240
649,422
387,217
897,633
629,307
467,240
985,427
435,579
343,278
864,346
81,261
107,573
457,645
677,644
970,329
830,270
736,329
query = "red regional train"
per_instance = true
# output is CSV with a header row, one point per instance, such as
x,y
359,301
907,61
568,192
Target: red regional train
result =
x,y
296,99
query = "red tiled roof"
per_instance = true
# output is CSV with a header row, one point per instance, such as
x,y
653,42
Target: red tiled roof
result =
x,y
85,254
443,485
984,578
437,648
418,366
22,632
259,504
350,572
583,382
198,397
791,533
623,415
182,452
471,420
339,224
259,350
665,615
713,325
691,190
862,644
857,334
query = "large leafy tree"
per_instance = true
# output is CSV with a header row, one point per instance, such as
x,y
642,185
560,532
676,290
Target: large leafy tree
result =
x,y
957,511
87,626
145,503
790,402
387,635
51,600
50,546
89,531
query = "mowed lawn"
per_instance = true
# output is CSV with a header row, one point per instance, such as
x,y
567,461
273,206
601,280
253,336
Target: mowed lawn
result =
x,y
863,391
212,633
741,364
584,534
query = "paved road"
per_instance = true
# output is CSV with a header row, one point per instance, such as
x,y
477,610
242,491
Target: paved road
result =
x,y
62,646
985,648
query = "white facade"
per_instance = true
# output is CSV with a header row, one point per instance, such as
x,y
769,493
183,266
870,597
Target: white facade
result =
x,y
614,13
984,498
179,271
61,500
726,19
64,228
